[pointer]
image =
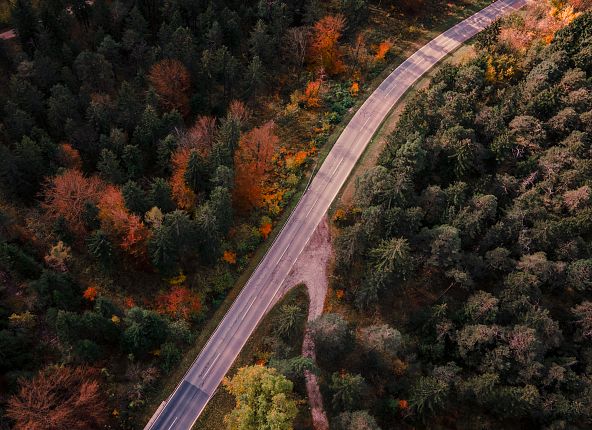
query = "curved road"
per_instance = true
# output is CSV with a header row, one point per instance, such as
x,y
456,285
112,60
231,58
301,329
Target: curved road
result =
x,y
183,407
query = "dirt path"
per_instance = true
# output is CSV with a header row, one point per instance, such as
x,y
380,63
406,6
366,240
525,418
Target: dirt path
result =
x,y
311,269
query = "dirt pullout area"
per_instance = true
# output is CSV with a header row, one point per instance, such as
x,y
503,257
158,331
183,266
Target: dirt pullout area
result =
x,y
311,269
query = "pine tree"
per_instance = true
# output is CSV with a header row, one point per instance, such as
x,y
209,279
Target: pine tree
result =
x,y
197,175
135,198
24,21
160,195
110,167
100,247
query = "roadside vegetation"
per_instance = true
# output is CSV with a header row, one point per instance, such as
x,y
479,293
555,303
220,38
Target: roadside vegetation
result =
x,y
276,347
460,296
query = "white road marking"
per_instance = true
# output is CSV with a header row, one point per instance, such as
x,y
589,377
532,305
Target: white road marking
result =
x,y
249,308
278,260
369,118
174,421
205,373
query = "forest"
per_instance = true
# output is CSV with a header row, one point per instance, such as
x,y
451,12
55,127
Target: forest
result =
x,y
462,295
148,148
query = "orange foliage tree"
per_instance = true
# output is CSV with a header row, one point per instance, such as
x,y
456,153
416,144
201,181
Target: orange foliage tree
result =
x,y
59,398
90,294
180,302
69,157
237,111
184,196
312,97
253,162
383,49
229,257
66,196
265,229
325,46
172,82
118,222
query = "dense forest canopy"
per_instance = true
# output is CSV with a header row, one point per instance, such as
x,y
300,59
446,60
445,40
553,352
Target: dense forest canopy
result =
x,y
147,148
469,243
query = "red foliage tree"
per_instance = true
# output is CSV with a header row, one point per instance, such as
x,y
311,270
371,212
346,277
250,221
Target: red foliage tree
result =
x,y
180,302
172,82
118,222
184,197
90,294
325,45
201,136
237,111
69,157
59,398
66,196
253,159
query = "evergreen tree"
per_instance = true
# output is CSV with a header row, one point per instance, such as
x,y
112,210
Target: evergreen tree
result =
x,y
24,20
197,174
100,248
135,198
160,195
110,168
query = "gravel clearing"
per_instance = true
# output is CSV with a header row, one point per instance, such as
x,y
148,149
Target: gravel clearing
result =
x,y
311,269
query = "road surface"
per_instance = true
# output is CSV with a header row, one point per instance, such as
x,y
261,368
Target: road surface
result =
x,y
183,407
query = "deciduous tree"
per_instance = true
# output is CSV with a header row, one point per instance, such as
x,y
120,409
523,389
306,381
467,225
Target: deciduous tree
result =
x,y
172,82
59,398
263,400
183,195
180,302
253,162
325,46
119,223
67,194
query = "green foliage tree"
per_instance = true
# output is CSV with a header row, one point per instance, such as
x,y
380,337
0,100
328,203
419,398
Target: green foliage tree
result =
x,y
429,395
332,337
160,195
173,241
347,390
145,331
135,198
197,175
289,320
357,420
100,247
382,339
393,256
263,400
169,356
24,19
109,167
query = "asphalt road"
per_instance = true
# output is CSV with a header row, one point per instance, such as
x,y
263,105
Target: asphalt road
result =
x,y
183,407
